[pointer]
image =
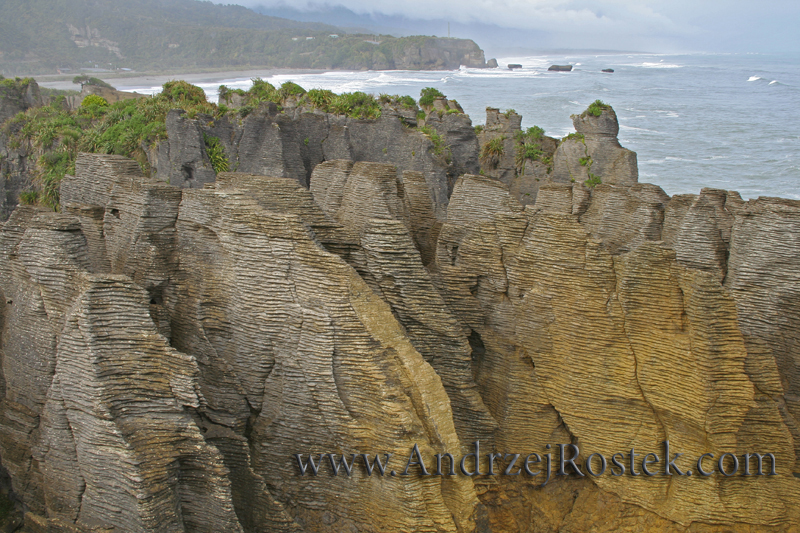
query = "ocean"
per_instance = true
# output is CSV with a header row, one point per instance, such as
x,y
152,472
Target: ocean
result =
x,y
729,121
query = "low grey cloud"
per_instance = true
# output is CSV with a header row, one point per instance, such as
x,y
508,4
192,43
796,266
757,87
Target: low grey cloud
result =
x,y
657,25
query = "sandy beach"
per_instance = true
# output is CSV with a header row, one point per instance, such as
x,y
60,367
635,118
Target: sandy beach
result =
x,y
150,79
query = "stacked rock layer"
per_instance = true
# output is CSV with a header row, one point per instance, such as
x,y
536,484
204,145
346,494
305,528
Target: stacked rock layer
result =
x,y
167,353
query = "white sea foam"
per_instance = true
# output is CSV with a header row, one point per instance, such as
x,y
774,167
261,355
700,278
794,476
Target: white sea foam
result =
x,y
658,65
624,127
652,91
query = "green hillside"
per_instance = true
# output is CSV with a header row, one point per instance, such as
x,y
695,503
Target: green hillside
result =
x,y
38,36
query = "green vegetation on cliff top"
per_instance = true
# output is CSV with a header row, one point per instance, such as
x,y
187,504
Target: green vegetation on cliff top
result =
x,y
596,108
54,135
529,146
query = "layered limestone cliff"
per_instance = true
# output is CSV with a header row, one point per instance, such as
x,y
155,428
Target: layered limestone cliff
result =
x,y
291,142
167,350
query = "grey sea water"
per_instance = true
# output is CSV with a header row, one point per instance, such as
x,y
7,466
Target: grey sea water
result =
x,y
695,120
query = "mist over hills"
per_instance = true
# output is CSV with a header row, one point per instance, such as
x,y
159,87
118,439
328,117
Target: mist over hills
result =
x,y
494,39
40,36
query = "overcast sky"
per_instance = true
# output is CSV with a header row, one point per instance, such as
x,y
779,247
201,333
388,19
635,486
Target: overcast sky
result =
x,y
648,25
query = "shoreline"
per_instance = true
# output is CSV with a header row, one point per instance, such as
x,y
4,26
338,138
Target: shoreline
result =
x,y
151,79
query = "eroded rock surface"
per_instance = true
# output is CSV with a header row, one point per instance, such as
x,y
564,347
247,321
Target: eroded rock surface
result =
x,y
167,351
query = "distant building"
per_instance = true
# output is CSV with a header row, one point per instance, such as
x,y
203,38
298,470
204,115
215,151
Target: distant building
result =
x,y
333,36
309,38
295,38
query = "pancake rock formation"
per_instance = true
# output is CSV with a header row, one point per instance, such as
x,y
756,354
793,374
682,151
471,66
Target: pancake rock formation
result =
x,y
216,353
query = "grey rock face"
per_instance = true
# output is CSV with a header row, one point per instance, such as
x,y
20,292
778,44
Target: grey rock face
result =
x,y
14,100
501,126
15,168
462,143
292,143
595,150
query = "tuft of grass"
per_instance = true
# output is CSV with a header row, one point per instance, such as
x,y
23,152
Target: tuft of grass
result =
x,y
354,105
439,146
593,180
492,151
358,105
509,112
478,129
575,136
260,91
29,197
289,89
394,99
216,154
428,95
528,146
596,108
181,92
320,98
407,102
534,133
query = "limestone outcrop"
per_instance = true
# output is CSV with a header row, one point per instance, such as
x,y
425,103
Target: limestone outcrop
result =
x,y
504,155
217,356
291,143
16,96
595,152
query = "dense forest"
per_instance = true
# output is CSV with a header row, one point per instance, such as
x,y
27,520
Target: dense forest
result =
x,y
40,36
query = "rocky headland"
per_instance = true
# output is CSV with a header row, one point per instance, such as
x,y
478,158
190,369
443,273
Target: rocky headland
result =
x,y
291,279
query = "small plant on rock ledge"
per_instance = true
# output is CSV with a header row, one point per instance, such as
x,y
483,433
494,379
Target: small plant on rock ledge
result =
x,y
216,154
593,180
493,151
439,146
29,197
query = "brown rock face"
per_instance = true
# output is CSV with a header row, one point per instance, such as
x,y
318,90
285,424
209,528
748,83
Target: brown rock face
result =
x,y
223,358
